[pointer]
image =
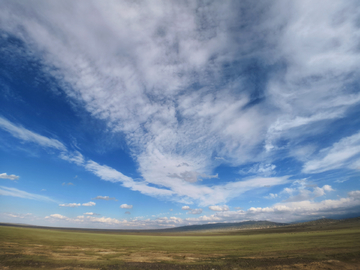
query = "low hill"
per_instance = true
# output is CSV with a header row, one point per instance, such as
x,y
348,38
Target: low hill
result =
x,y
245,227
322,221
226,226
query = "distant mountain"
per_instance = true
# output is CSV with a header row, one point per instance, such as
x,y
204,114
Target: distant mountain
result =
x,y
249,225
322,221
238,227
226,226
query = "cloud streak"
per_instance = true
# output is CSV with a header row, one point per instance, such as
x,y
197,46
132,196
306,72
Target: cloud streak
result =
x,y
14,192
29,136
343,153
105,198
69,204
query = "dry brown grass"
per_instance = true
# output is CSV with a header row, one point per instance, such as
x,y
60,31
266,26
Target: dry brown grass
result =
x,y
24,248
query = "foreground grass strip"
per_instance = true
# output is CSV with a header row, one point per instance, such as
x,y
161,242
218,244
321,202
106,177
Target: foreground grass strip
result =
x,y
51,249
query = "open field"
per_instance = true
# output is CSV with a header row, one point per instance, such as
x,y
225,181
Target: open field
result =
x,y
312,246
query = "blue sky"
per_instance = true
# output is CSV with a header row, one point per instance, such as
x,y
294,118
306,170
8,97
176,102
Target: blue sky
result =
x,y
154,114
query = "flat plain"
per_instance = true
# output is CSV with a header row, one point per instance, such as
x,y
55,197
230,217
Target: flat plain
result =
x,y
314,245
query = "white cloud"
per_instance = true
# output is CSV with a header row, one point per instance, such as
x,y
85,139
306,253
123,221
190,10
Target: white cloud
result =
x,y
58,216
302,192
263,169
191,211
14,192
289,211
197,211
327,188
69,204
29,136
311,93
219,208
271,196
68,184
109,174
280,212
77,204
337,156
16,215
354,194
74,157
126,206
106,198
148,93
91,214
355,165
204,194
184,191
11,176
211,119
89,204
190,176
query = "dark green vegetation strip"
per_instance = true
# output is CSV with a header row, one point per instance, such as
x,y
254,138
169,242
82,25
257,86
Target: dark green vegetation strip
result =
x,y
28,248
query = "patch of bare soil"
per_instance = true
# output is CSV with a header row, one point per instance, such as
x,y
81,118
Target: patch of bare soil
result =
x,y
77,257
91,254
78,268
326,265
164,260
147,257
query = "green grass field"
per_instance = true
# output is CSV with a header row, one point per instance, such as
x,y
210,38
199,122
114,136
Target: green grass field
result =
x,y
33,248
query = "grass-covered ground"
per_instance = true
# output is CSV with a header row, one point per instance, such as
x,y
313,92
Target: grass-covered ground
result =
x,y
31,248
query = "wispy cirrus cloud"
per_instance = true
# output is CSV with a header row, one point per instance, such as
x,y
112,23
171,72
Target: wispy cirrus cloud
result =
x,y
29,136
344,153
69,204
184,191
175,99
14,192
73,157
204,195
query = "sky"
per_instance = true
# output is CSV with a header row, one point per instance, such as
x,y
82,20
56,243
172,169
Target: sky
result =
x,y
156,114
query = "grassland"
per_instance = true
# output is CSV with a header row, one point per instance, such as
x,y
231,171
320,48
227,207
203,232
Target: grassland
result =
x,y
290,247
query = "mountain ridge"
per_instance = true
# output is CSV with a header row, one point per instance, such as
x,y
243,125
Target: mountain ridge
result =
x,y
215,227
